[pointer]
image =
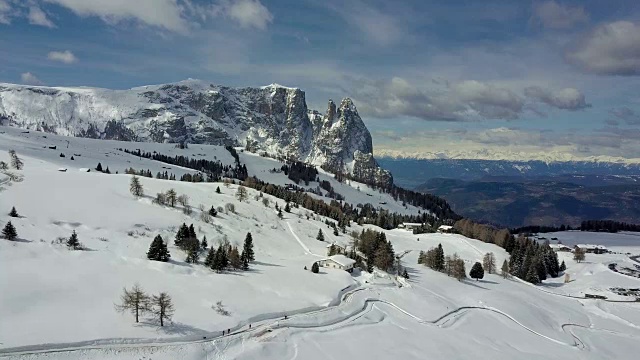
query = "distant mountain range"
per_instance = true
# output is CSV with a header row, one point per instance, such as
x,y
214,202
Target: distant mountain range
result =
x,y
271,119
414,172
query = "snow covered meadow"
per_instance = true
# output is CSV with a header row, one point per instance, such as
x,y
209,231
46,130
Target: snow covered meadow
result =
x,y
57,303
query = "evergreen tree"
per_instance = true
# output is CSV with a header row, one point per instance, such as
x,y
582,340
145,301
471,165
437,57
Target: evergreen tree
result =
x,y
192,232
218,190
210,259
213,212
73,242
193,253
204,244
405,274
13,212
335,231
107,171
247,250
158,250
505,269
135,187
477,272
439,259
280,216
182,235
99,167
287,208
135,300
234,259
315,268
320,236
221,259
563,267
9,232
532,276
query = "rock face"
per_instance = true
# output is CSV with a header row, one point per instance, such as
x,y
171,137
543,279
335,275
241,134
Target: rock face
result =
x,y
272,119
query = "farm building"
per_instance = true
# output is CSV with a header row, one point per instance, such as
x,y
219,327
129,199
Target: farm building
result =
x,y
444,229
338,262
409,226
594,249
560,247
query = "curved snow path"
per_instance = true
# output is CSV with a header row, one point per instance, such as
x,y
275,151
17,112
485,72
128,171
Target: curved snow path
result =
x,y
332,317
304,247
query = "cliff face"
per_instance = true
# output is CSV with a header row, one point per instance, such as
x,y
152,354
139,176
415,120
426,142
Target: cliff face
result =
x,y
272,118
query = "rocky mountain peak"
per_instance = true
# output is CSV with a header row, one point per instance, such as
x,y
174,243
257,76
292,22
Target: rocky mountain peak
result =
x,y
273,119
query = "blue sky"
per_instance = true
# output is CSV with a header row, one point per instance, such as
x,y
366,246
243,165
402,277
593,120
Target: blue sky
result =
x,y
473,79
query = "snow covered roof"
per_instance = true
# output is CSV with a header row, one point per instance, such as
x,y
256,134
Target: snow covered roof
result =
x,y
591,247
445,227
342,260
559,246
411,224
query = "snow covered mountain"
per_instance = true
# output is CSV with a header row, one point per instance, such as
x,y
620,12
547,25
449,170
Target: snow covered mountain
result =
x,y
272,119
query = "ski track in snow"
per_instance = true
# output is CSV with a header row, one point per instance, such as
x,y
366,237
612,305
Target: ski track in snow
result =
x,y
268,325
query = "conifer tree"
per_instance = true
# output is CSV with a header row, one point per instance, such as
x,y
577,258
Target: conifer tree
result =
x,y
182,235
505,269
135,300
162,307
192,232
99,167
107,171
405,274
213,212
234,259
73,242
477,272
158,250
9,232
563,267
532,275
221,260
320,236
280,216
218,190
315,268
248,248
210,259
136,187
439,259
193,253
287,208
204,245
335,231
13,212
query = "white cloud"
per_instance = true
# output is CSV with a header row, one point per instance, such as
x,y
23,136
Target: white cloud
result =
x,y
66,56
610,49
38,17
627,114
247,13
377,26
166,14
551,14
30,79
566,99
5,12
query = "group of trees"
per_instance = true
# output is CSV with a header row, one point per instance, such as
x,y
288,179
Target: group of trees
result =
x,y
228,257
436,259
298,171
532,261
138,303
608,226
214,170
485,233
100,169
377,250
9,231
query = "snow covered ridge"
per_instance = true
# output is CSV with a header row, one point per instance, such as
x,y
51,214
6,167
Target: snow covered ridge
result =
x,y
272,119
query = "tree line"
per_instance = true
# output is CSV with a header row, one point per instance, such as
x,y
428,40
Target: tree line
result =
x,y
610,226
298,171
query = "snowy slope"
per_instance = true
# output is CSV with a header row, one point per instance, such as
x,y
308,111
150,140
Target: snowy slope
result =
x,y
58,300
